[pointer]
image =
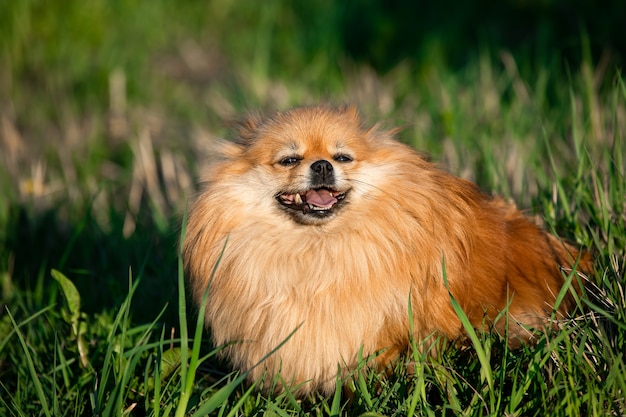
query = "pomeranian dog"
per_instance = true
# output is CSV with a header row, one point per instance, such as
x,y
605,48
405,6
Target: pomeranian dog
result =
x,y
321,241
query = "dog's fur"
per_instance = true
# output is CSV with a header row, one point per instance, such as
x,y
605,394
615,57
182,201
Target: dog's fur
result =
x,y
342,273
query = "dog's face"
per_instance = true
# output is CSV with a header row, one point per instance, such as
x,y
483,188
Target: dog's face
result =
x,y
318,185
313,163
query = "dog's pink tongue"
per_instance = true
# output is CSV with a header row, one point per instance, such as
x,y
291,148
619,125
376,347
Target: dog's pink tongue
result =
x,y
320,198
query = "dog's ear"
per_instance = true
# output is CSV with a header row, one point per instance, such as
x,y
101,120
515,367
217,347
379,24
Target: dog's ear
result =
x,y
376,130
223,149
351,111
247,128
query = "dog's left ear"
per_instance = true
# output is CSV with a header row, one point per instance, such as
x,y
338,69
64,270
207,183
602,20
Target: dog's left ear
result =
x,y
351,111
375,131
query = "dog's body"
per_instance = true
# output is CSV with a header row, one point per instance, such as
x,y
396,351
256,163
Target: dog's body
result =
x,y
331,228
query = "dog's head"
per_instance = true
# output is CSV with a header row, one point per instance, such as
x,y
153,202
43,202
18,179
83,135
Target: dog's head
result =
x,y
312,163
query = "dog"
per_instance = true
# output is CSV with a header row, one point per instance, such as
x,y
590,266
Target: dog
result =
x,y
317,241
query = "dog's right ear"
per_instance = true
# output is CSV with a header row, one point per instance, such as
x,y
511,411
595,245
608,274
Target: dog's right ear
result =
x,y
223,149
248,128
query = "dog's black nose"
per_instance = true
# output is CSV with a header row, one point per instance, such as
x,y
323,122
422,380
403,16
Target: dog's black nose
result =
x,y
322,167
322,172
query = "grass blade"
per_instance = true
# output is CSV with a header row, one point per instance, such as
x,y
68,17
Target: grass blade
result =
x,y
41,396
482,353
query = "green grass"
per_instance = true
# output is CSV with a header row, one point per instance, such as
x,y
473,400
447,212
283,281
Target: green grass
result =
x,y
105,111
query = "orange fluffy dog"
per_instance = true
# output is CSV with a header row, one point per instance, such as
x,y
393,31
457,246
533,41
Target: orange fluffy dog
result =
x,y
329,228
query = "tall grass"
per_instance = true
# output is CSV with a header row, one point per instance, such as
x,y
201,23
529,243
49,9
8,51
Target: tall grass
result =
x,y
104,129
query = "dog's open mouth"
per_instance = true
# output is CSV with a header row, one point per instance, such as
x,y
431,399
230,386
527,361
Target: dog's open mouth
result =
x,y
318,202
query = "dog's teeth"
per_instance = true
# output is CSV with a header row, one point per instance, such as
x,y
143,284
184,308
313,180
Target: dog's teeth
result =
x,y
297,199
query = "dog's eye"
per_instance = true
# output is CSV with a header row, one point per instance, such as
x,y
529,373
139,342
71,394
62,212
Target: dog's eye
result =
x,y
342,158
290,160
